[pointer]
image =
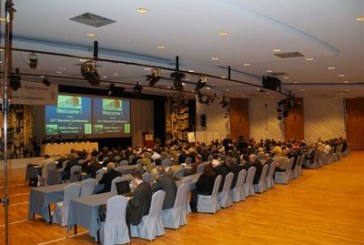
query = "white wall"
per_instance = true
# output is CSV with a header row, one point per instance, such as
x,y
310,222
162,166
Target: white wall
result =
x,y
323,118
217,120
263,122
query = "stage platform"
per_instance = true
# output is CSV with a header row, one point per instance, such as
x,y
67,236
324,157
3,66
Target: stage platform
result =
x,y
20,162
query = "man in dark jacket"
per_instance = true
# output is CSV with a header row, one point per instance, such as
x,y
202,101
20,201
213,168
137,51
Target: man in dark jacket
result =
x,y
139,204
108,177
166,182
258,165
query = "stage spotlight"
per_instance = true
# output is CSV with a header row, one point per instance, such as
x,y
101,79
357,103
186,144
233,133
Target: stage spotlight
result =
x,y
33,61
46,82
177,84
224,103
15,80
200,84
111,89
137,89
89,72
154,77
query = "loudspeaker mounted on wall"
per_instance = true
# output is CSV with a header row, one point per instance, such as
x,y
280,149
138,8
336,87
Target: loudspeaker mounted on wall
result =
x,y
203,120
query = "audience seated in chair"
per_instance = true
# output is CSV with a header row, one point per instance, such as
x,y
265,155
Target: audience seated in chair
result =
x,y
108,177
166,182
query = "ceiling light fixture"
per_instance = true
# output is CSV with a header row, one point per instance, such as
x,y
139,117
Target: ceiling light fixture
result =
x,y
33,61
341,75
276,50
214,58
137,89
177,83
142,10
15,80
246,64
360,18
200,84
309,59
223,33
45,81
154,77
331,68
89,72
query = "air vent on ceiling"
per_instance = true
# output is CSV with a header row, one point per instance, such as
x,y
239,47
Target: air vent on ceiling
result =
x,y
289,55
92,20
278,73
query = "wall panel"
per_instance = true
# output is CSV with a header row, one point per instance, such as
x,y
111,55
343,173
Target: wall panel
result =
x,y
355,123
239,118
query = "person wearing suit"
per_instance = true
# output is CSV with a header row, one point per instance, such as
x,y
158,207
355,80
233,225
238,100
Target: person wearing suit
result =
x,y
258,165
219,169
108,177
244,162
139,204
204,186
166,182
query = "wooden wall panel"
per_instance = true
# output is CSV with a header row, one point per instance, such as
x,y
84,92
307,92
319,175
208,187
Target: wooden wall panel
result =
x,y
355,123
294,126
239,118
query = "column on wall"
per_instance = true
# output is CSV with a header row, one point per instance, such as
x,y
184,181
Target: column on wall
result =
x,y
294,126
239,118
355,123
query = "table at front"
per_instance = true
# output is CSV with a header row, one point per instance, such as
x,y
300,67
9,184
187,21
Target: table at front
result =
x,y
84,211
41,197
65,148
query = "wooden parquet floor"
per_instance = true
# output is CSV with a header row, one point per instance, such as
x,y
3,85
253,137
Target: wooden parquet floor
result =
x,y
324,206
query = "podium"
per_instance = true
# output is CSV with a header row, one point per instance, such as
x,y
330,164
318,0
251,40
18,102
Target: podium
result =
x,y
149,140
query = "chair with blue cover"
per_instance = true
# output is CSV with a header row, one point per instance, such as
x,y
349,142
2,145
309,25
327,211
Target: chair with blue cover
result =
x,y
175,217
45,172
209,203
124,163
151,225
248,184
294,172
238,191
284,177
224,197
87,187
261,186
269,181
187,181
60,215
75,173
113,183
300,163
179,172
115,230
200,168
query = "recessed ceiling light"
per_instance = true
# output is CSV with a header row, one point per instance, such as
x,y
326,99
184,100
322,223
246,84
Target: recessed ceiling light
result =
x,y
142,10
246,64
346,81
183,84
90,34
269,71
347,90
208,88
161,47
295,82
223,77
191,70
331,68
302,89
104,77
286,78
116,74
59,72
223,33
360,18
341,75
215,58
309,59
147,69
276,50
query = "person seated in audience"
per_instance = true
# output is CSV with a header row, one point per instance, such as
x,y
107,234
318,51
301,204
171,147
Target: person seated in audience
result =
x,y
166,182
253,160
198,161
282,160
147,162
72,162
204,186
244,162
93,166
267,159
155,172
219,169
295,153
107,177
139,204
233,167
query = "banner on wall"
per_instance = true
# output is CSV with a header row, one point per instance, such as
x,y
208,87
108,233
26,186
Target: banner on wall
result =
x,y
31,93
